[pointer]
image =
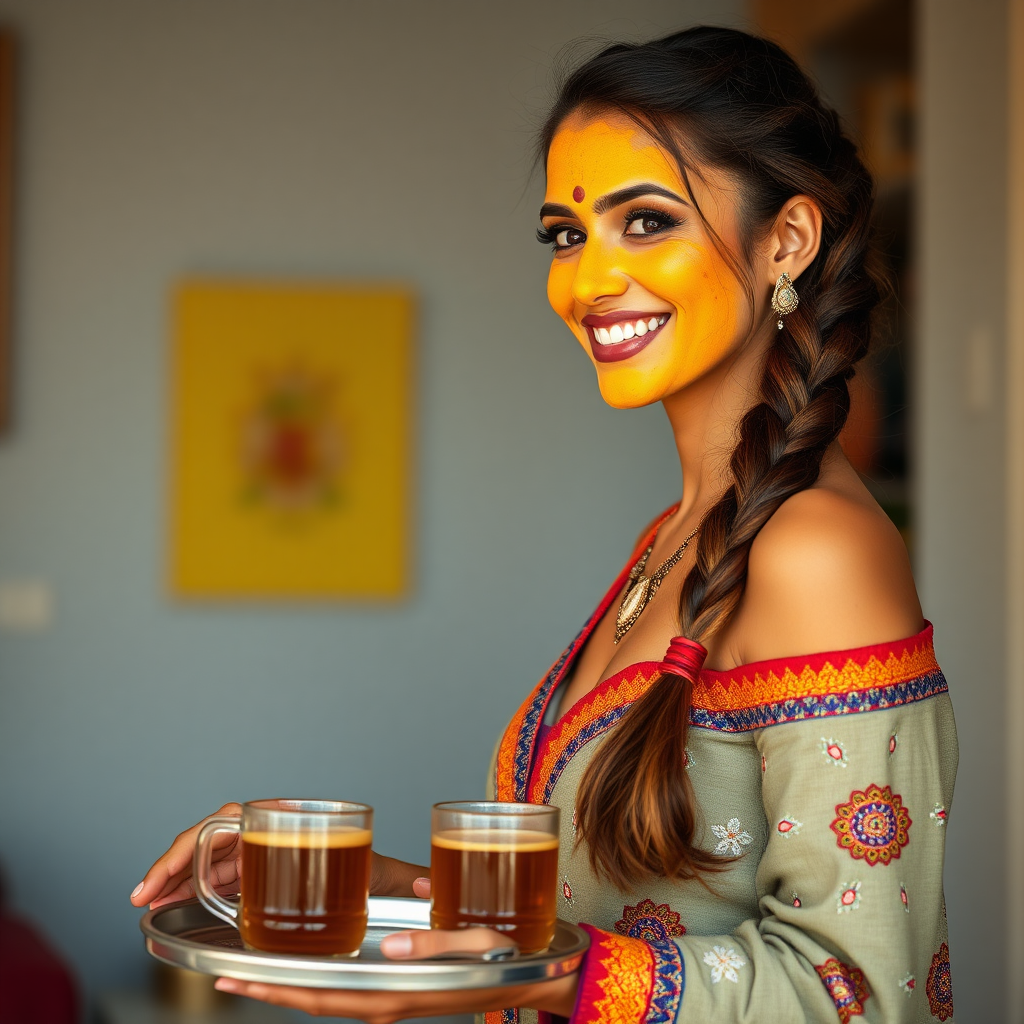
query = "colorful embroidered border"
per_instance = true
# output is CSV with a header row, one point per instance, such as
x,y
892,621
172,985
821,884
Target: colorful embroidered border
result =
x,y
516,749
501,1017
606,704
628,981
876,698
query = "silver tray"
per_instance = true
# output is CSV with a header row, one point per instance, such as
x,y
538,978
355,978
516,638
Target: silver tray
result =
x,y
188,935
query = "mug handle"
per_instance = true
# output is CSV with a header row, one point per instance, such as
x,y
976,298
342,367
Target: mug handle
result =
x,y
208,896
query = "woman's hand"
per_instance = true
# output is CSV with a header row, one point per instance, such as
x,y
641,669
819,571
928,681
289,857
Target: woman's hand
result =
x,y
170,878
557,996
390,877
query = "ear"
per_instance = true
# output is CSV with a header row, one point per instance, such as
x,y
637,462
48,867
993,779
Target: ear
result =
x,y
794,239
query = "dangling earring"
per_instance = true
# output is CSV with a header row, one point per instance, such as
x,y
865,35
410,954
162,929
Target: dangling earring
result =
x,y
784,298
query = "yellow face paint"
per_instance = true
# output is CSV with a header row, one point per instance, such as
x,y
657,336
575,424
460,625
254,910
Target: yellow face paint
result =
x,y
636,276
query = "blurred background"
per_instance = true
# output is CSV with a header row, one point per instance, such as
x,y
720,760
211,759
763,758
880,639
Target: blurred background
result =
x,y
339,140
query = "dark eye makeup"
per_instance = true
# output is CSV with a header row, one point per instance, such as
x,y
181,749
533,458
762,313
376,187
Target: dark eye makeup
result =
x,y
652,222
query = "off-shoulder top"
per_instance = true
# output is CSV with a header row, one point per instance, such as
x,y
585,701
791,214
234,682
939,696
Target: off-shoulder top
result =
x,y
829,777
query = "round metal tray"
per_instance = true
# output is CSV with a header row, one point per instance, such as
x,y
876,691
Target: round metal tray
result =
x,y
187,935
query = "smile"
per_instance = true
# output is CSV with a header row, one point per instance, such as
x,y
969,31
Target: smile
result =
x,y
616,336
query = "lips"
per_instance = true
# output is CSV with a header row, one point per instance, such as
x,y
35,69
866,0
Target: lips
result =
x,y
619,335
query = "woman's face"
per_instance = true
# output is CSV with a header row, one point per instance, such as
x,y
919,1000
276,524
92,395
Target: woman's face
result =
x,y
635,274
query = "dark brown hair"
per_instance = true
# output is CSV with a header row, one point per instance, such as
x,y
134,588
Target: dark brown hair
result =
x,y
721,98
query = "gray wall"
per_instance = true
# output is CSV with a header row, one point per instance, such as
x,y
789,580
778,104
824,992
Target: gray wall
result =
x,y
961,450
321,139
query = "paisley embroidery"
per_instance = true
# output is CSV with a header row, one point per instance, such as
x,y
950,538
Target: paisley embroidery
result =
x,y
939,987
846,986
848,898
789,826
939,815
893,740
833,752
908,983
567,892
649,922
903,897
874,826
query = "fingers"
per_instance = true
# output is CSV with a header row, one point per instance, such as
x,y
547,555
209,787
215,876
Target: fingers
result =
x,y
421,888
418,945
373,1007
167,874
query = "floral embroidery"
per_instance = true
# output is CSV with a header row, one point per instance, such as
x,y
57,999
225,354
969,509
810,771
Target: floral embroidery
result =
x,y
789,827
796,901
893,740
617,978
649,922
908,983
939,987
764,765
903,897
846,986
724,963
833,752
848,898
501,1017
731,837
939,815
874,826
669,972
567,892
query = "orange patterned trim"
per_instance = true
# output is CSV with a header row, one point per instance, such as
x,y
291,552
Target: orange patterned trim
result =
x,y
616,981
770,682
593,715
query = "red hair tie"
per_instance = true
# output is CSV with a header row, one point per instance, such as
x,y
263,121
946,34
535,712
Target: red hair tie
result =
x,y
684,658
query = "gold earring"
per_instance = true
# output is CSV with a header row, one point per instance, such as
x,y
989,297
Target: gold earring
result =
x,y
784,298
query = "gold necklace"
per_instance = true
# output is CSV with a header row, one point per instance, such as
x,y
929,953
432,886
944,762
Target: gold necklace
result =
x,y
640,588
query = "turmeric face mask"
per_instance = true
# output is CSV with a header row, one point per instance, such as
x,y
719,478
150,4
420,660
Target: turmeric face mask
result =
x,y
635,273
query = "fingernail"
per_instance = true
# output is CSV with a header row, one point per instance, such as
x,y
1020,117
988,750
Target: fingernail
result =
x,y
399,944
226,985
137,890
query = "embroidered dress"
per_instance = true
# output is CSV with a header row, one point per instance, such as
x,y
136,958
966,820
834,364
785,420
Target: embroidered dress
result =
x,y
834,905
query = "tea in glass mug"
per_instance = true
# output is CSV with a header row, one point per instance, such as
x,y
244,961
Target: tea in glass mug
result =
x,y
305,875
496,865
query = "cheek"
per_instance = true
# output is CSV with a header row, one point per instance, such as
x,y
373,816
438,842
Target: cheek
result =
x,y
560,281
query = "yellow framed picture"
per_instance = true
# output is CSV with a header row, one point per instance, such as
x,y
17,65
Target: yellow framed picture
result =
x,y
290,426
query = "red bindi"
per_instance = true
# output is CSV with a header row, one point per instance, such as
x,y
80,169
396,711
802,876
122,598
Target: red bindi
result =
x,y
578,194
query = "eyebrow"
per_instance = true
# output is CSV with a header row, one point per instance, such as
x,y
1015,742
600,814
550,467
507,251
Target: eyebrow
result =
x,y
556,210
625,195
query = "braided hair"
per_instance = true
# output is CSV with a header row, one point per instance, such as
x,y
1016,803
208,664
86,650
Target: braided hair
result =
x,y
721,98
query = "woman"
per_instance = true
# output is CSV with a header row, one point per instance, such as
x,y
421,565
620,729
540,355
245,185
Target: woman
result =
x,y
759,833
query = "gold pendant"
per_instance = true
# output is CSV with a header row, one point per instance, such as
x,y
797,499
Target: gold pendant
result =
x,y
632,605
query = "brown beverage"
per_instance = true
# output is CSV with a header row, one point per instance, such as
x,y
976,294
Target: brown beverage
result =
x,y
305,892
504,879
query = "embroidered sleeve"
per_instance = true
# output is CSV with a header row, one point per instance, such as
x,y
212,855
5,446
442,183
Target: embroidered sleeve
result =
x,y
849,884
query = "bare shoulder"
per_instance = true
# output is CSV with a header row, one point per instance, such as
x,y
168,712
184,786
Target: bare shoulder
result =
x,y
828,571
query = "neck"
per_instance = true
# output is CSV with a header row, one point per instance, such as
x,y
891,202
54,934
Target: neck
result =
x,y
705,418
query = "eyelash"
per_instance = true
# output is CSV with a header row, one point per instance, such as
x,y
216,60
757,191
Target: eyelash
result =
x,y
548,236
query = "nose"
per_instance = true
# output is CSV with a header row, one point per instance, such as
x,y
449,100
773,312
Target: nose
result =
x,y
597,275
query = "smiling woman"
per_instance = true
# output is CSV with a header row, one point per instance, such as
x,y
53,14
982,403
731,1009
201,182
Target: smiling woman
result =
x,y
731,857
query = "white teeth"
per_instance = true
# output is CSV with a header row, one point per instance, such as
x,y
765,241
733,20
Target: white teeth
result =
x,y
652,324
602,336
641,328
615,332
628,332
618,333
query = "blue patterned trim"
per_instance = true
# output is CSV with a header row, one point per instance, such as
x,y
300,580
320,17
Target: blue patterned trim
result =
x,y
580,740
523,760
669,983
820,706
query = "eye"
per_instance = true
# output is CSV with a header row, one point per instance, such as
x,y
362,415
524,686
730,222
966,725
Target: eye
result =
x,y
649,222
561,236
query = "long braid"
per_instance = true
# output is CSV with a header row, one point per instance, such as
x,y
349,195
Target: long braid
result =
x,y
745,106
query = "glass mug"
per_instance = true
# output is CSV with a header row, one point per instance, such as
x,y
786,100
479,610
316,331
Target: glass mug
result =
x,y
305,875
496,865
